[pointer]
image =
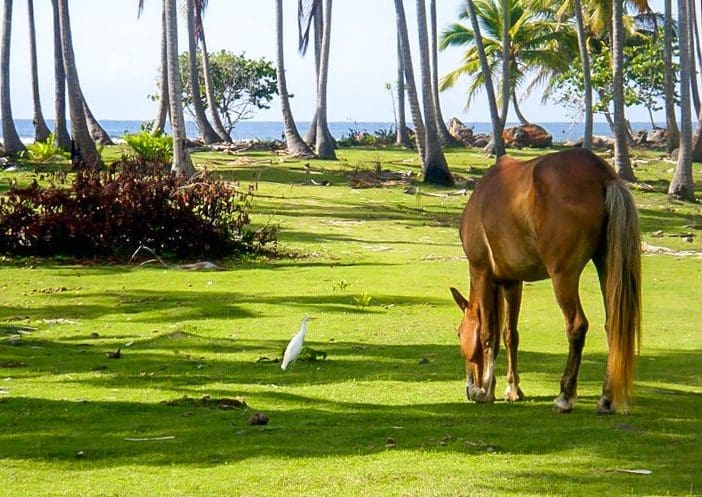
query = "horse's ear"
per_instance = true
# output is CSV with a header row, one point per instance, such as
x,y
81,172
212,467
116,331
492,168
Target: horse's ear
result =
x,y
460,299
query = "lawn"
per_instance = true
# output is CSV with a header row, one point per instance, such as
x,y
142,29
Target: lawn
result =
x,y
385,412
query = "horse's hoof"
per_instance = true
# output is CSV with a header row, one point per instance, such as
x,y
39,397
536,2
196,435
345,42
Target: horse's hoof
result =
x,y
483,396
562,405
604,406
512,396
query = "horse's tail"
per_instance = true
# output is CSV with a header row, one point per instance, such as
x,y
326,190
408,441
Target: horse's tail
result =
x,y
622,291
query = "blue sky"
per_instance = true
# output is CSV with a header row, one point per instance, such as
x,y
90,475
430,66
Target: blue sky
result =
x,y
118,58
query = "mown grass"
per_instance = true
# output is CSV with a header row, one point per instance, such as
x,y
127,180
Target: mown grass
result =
x,y
385,413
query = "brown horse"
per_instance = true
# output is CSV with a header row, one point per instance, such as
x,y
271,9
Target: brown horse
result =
x,y
546,218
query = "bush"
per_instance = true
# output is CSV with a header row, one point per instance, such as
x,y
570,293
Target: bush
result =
x,y
151,149
361,137
46,151
107,214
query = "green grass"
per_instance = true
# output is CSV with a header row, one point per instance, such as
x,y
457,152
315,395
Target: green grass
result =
x,y
392,371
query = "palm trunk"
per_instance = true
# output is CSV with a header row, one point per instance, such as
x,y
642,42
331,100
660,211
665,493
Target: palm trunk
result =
x,y
209,93
673,132
587,77
522,120
497,128
311,135
83,150
444,135
693,64
415,111
63,138
506,91
434,166
296,146
41,130
97,132
159,122
207,133
182,164
682,186
401,133
13,145
324,146
622,162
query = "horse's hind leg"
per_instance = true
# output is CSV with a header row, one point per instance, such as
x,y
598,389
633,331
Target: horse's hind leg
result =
x,y
512,294
566,289
604,405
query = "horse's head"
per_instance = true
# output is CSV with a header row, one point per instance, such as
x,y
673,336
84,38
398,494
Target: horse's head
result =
x,y
471,347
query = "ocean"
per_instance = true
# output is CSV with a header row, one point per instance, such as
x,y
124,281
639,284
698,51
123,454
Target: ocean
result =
x,y
269,130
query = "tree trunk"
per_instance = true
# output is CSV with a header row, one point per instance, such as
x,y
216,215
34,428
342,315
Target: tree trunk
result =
x,y
41,130
159,122
522,120
497,127
682,186
296,147
207,133
83,151
673,133
97,132
324,147
697,142
401,133
415,111
311,135
693,64
182,164
587,76
622,163
444,135
506,42
434,166
209,92
62,137
13,144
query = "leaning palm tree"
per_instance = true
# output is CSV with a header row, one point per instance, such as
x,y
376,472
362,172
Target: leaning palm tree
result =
x,y
402,137
182,164
622,162
309,17
682,186
159,122
41,130
13,145
84,151
296,146
324,145
207,133
446,138
63,138
587,75
434,165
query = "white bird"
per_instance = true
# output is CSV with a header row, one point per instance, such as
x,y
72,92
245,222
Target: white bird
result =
x,y
295,346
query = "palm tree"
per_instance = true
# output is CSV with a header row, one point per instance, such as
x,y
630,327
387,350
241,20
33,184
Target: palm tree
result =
x,y
324,146
406,56
446,138
498,140
309,15
506,63
587,79
434,166
13,145
182,164
622,162
296,146
83,149
41,130
682,186
671,122
207,133
63,138
97,132
402,137
537,46
200,6
159,122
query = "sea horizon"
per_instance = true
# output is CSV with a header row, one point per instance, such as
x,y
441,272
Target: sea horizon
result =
x,y
561,131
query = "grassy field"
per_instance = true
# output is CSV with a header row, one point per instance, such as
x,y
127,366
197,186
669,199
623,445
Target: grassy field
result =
x,y
385,412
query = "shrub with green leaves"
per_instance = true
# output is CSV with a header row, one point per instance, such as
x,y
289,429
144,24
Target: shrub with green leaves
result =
x,y
46,151
150,149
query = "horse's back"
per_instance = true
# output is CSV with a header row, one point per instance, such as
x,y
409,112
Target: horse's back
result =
x,y
527,220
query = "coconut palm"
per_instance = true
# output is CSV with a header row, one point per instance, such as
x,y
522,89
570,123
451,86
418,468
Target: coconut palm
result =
x,y
182,164
207,133
538,47
673,134
159,122
682,186
324,146
84,151
63,138
97,132
446,138
587,79
622,162
402,137
13,145
41,130
434,164
411,86
309,16
296,146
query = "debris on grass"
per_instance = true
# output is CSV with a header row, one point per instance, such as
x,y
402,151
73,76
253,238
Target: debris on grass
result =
x,y
258,419
377,178
207,401
149,439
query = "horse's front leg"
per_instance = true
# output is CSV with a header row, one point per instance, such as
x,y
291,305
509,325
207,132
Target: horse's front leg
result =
x,y
566,289
512,295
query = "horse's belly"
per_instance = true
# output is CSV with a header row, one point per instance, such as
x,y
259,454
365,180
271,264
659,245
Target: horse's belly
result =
x,y
519,268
